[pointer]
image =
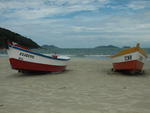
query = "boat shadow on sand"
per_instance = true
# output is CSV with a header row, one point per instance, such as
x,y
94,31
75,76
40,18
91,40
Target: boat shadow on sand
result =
x,y
38,73
128,73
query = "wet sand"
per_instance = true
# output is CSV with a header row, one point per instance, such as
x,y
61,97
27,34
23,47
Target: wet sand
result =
x,y
88,86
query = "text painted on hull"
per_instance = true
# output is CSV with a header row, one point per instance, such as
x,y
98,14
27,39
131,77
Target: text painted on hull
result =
x,y
26,55
127,58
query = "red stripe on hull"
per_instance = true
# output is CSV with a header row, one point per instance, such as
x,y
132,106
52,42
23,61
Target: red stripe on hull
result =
x,y
23,65
129,65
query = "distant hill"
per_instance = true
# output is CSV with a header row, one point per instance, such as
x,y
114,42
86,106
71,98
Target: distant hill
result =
x,y
109,46
6,34
100,50
49,46
126,47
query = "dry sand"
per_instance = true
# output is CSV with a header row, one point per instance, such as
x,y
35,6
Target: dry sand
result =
x,y
86,87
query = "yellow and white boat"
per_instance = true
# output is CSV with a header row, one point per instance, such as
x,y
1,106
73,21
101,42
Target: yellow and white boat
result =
x,y
131,59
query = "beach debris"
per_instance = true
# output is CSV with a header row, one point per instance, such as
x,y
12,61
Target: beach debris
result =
x,y
64,87
1,105
124,87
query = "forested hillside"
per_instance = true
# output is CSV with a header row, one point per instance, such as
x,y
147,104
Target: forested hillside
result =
x,y
12,36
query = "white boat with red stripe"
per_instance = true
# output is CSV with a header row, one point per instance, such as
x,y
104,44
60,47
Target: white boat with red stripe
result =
x,y
23,59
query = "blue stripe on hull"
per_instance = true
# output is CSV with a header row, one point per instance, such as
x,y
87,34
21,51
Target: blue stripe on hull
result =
x,y
38,54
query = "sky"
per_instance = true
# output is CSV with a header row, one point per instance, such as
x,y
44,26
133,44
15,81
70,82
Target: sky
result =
x,y
79,23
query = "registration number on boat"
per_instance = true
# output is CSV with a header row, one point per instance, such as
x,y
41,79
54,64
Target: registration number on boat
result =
x,y
127,58
26,55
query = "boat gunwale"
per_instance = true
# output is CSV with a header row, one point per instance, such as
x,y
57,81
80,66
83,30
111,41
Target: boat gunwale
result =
x,y
38,54
128,51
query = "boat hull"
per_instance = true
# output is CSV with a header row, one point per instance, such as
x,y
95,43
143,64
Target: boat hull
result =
x,y
134,65
30,66
21,59
129,62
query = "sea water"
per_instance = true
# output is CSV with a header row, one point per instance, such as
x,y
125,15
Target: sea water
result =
x,y
102,55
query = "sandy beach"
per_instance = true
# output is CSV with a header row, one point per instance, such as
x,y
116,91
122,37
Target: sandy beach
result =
x,y
87,86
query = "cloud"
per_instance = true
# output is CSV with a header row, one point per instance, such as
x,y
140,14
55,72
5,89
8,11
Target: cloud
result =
x,y
66,23
36,9
139,4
